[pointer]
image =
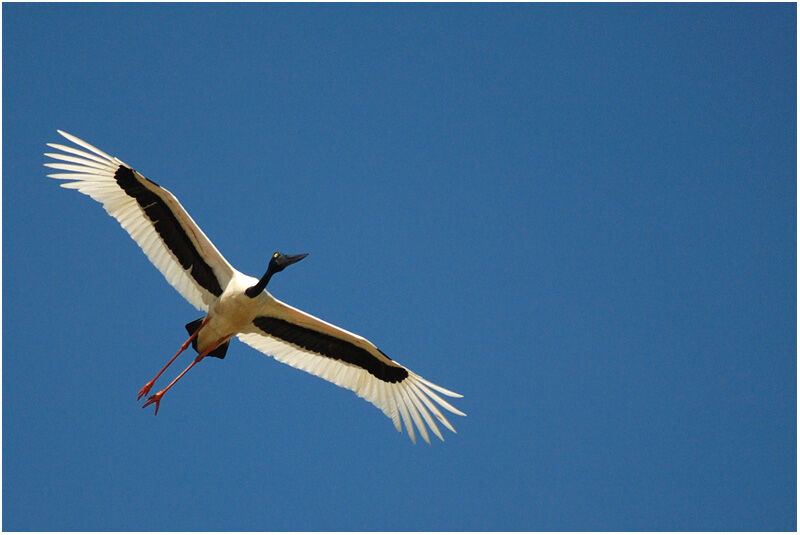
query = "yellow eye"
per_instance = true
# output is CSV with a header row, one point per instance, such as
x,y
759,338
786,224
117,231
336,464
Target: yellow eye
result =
x,y
275,255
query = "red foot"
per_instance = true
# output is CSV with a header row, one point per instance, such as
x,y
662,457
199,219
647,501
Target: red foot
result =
x,y
155,398
146,388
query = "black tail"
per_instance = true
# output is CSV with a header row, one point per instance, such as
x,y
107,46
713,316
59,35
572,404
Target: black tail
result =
x,y
218,352
192,327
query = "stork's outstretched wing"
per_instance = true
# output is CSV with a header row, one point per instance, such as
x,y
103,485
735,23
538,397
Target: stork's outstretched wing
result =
x,y
350,361
152,216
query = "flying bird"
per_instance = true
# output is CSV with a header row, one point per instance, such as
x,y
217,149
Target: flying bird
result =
x,y
238,305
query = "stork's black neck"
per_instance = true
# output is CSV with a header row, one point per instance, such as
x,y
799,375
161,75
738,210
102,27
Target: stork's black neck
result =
x,y
253,291
278,263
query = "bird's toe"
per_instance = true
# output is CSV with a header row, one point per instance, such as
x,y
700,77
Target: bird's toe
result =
x,y
155,398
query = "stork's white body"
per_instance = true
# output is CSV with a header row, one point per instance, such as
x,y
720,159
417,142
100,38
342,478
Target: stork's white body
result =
x,y
191,263
232,313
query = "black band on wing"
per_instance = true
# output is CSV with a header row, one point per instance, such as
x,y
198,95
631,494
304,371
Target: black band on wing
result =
x,y
169,228
331,347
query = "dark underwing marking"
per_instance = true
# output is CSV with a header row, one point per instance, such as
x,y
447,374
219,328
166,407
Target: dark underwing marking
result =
x,y
169,228
331,347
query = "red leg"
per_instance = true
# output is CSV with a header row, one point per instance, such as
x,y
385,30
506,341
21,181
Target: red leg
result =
x,y
146,388
156,398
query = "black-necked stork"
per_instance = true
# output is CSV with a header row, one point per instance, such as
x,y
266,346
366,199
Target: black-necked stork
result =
x,y
239,305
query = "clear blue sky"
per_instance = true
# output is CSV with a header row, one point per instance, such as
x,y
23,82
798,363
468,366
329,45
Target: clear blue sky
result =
x,y
581,217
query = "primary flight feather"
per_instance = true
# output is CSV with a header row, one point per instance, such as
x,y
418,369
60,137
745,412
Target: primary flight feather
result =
x,y
239,305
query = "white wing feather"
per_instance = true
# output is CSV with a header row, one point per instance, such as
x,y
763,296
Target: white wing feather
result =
x,y
92,173
411,400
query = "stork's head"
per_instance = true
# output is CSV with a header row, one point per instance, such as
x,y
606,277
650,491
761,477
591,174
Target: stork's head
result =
x,y
280,261
277,263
